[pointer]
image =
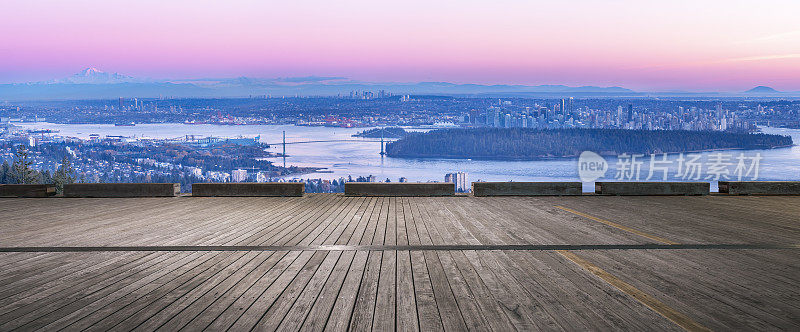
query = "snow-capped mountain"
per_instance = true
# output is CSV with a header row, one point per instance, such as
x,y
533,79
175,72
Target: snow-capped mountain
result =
x,y
95,76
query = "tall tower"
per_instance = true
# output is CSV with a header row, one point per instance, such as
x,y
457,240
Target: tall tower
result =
x,y
382,151
284,149
571,105
630,112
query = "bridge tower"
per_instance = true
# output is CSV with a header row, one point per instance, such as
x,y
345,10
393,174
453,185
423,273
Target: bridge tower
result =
x,y
284,149
382,151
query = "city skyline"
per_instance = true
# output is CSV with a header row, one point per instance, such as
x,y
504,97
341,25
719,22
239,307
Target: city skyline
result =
x,y
716,46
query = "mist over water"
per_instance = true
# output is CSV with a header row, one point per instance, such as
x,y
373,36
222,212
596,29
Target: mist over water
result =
x,y
361,157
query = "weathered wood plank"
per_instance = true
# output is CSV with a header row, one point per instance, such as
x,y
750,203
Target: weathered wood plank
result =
x,y
342,311
364,310
384,318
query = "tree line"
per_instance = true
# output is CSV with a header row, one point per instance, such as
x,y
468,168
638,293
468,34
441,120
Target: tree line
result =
x,y
21,171
388,132
526,143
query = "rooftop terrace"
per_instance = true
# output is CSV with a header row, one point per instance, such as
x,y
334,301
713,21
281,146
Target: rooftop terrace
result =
x,y
329,262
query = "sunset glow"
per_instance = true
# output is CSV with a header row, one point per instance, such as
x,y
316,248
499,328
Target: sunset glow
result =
x,y
713,45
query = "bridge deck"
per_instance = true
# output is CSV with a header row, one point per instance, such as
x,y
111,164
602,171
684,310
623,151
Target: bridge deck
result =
x,y
330,262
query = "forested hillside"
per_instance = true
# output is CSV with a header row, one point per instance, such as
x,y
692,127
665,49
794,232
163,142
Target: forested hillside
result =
x,y
388,132
519,143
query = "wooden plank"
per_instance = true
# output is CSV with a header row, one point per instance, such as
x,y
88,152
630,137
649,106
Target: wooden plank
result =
x,y
33,306
595,295
252,298
383,219
257,309
750,292
353,221
126,294
384,318
371,229
473,317
41,277
364,310
318,315
543,292
130,316
497,316
363,223
187,307
668,312
522,311
425,290
292,314
339,316
407,319
227,299
101,311
426,306
452,319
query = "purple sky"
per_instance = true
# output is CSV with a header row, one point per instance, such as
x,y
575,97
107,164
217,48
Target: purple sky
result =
x,y
723,45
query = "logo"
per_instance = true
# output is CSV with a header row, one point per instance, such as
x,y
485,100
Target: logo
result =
x,y
591,166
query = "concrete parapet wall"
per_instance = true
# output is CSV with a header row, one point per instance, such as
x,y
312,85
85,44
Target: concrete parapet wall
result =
x,y
652,188
248,189
27,190
399,189
121,189
760,187
526,188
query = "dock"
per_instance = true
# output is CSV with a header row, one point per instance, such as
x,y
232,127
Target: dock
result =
x,y
335,263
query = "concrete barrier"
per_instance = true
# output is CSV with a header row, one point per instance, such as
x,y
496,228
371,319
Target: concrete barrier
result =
x,y
122,189
526,188
27,190
652,188
399,189
760,187
248,189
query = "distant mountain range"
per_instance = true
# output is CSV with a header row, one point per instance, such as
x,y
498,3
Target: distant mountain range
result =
x,y
92,83
762,89
95,76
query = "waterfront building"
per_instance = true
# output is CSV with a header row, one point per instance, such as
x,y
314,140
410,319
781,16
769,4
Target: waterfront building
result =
x,y
239,175
459,179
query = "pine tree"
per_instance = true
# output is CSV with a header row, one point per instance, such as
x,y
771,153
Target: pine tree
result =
x,y
5,172
65,174
45,177
21,171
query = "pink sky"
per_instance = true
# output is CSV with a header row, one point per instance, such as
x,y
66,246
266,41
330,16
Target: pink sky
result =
x,y
710,45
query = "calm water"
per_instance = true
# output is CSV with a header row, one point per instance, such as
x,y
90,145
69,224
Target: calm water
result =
x,y
362,158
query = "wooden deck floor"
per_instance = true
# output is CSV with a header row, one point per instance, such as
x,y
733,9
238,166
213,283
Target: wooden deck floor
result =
x,y
328,262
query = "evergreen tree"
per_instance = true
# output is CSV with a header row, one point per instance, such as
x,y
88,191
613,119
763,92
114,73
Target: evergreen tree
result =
x,y
65,174
45,177
21,171
5,172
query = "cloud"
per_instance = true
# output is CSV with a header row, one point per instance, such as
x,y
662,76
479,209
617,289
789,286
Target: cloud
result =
x,y
764,57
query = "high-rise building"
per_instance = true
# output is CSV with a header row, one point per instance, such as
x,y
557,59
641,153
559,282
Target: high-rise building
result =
x,y
630,112
239,175
495,118
459,179
571,105
473,116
